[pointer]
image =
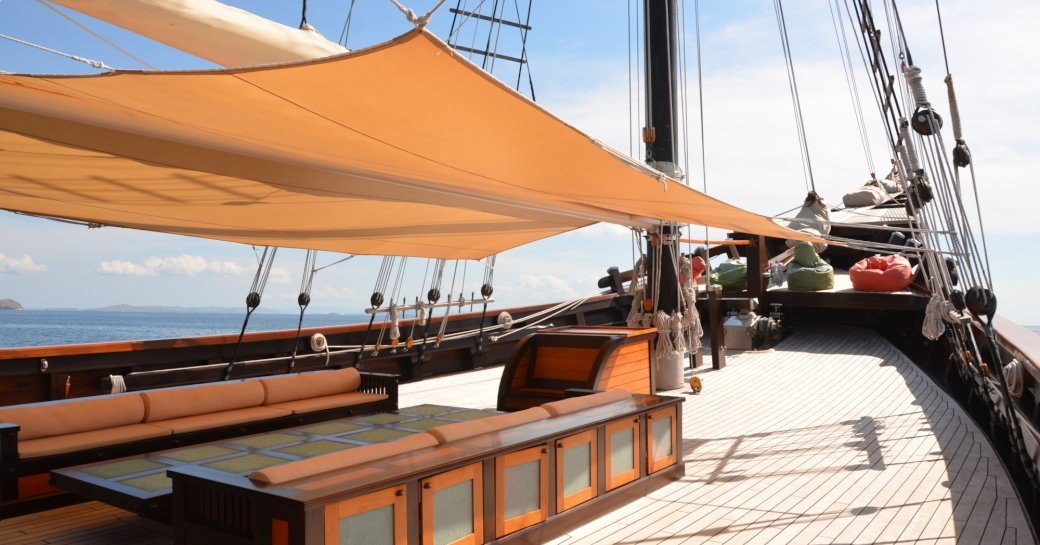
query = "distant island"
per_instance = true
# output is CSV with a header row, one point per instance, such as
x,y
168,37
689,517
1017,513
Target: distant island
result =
x,y
157,308
10,304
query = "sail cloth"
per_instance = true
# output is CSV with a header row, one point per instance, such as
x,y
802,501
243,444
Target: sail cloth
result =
x,y
400,149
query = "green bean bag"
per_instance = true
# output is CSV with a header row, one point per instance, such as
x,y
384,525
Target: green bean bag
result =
x,y
808,272
731,275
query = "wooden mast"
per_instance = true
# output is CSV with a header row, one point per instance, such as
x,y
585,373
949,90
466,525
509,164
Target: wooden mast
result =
x,y
662,52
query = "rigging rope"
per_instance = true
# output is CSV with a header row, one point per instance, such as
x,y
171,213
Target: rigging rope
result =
x,y
83,27
304,299
344,35
796,100
417,20
256,291
96,64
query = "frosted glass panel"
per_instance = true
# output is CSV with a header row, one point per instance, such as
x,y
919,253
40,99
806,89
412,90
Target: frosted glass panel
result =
x,y
576,469
453,513
522,489
375,527
662,437
622,457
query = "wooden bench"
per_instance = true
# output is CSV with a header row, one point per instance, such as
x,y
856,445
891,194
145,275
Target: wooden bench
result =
x,y
39,437
544,365
526,476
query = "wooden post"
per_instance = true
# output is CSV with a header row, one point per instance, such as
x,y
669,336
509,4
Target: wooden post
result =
x,y
757,262
718,335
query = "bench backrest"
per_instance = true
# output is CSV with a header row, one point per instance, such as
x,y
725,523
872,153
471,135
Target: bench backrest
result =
x,y
575,404
340,460
182,401
309,385
74,415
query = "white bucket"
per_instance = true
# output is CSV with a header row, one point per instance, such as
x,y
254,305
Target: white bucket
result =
x,y
670,371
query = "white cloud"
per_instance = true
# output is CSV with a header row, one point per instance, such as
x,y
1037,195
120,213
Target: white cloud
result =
x,y
603,230
16,265
124,268
182,265
279,275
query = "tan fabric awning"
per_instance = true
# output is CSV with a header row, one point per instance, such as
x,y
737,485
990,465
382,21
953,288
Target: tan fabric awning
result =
x,y
400,149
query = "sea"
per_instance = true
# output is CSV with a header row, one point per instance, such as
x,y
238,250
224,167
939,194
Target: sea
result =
x,y
52,327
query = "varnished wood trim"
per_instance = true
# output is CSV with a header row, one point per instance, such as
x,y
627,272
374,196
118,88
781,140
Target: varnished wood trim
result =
x,y
654,462
586,437
632,426
280,532
129,346
431,485
505,461
334,512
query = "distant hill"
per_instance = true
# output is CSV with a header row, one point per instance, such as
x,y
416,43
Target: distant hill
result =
x,y
10,304
157,308
185,310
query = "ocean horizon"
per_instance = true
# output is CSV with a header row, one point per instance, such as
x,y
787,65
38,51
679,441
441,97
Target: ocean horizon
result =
x,y
23,328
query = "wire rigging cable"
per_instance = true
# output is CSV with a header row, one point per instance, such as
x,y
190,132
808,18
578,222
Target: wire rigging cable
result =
x,y
256,291
796,101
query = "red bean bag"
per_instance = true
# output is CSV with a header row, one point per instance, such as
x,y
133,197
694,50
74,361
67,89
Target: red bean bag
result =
x,y
698,266
885,273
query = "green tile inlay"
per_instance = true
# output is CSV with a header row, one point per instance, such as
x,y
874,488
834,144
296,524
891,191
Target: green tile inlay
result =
x,y
247,463
124,468
156,482
471,414
268,440
331,428
377,435
197,454
315,448
424,424
383,418
426,410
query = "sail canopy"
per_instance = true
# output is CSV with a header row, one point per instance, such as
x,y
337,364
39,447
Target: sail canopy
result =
x,y
400,149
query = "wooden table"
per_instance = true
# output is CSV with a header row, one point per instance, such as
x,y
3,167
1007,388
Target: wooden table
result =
x,y
140,484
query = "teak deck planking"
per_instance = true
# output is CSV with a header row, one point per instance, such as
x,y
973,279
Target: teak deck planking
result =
x,y
833,437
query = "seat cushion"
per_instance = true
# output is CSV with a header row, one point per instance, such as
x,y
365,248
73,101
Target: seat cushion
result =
x,y
73,442
491,424
575,404
300,406
215,420
57,418
309,385
171,403
341,459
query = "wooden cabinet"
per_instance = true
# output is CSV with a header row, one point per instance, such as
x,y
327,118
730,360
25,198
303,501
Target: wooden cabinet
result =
x,y
379,517
661,445
453,507
521,489
621,452
576,469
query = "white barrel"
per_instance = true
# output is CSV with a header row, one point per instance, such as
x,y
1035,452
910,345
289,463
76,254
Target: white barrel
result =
x,y
670,371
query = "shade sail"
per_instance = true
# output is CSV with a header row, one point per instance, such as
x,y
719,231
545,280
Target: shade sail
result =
x,y
400,149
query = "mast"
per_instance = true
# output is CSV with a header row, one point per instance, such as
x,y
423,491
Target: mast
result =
x,y
662,52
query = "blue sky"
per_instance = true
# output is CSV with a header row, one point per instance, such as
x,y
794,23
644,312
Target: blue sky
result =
x,y
578,51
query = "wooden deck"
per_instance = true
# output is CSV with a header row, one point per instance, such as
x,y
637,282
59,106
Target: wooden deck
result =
x,y
834,437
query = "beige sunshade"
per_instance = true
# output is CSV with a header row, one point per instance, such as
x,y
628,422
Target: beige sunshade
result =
x,y
401,149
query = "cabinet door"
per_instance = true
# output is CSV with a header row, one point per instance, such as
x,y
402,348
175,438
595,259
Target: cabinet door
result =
x,y
453,507
622,448
378,518
576,464
521,489
660,439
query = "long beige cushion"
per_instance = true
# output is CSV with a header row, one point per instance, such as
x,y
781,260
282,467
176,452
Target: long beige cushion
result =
x,y
464,430
310,385
170,403
575,404
300,406
72,442
74,415
341,459
198,422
